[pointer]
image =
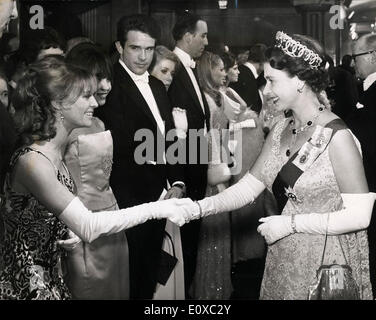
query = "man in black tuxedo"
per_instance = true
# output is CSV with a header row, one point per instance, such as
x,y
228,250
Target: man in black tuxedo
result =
x,y
362,123
246,86
140,172
190,34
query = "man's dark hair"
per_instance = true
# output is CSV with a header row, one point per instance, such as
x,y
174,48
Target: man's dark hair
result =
x,y
185,22
40,39
137,22
257,53
346,60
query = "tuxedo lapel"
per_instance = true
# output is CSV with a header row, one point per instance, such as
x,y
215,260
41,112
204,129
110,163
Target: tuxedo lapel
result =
x,y
164,111
135,95
184,77
247,71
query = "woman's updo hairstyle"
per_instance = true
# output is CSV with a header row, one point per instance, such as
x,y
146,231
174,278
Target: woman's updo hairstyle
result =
x,y
317,78
46,81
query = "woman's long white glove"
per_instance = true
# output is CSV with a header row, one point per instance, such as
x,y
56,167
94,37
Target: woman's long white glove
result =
x,y
91,225
356,215
237,196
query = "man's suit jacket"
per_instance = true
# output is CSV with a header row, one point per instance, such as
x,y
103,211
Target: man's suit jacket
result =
x,y
125,112
247,88
183,95
362,124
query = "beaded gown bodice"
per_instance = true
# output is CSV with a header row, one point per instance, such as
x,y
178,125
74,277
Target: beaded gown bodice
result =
x,y
292,262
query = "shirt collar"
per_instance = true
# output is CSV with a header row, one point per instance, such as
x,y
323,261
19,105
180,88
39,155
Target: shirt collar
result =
x,y
369,81
185,58
135,77
252,68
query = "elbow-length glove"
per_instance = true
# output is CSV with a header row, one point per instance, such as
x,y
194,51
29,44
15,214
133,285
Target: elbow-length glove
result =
x,y
237,196
356,215
91,225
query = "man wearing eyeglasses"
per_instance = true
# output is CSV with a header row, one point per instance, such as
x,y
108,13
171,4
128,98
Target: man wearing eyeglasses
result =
x,y
363,125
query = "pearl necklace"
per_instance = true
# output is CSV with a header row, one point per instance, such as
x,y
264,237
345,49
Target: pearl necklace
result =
x,y
296,131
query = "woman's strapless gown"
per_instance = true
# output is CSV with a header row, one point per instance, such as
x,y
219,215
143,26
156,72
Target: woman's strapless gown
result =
x,y
99,270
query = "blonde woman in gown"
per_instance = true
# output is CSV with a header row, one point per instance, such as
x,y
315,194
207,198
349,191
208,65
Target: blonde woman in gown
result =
x,y
248,248
213,268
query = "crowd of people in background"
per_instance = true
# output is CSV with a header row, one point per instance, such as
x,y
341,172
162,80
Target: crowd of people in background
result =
x,y
290,143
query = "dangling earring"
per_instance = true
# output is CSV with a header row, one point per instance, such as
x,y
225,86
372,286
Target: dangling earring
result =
x,y
61,118
301,89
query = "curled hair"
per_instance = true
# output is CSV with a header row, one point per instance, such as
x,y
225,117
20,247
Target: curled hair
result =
x,y
137,22
91,58
205,65
316,79
163,53
46,81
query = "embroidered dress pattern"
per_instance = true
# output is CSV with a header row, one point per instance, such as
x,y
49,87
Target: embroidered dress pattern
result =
x,y
291,262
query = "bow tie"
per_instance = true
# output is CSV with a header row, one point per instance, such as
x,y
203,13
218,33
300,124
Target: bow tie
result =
x,y
143,78
191,64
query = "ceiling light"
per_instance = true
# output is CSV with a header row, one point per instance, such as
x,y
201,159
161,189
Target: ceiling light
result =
x,y
222,4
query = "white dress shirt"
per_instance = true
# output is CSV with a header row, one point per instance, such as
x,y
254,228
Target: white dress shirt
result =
x,y
142,83
188,64
369,81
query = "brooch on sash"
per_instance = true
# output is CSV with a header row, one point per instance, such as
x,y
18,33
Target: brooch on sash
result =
x,y
290,194
309,152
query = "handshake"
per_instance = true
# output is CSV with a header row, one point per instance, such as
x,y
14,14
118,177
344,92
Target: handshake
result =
x,y
178,211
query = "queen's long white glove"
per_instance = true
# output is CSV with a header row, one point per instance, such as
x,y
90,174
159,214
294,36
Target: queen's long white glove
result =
x,y
355,216
91,225
237,196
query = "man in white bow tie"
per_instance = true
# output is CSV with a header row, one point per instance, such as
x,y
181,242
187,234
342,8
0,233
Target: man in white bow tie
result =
x,y
190,33
136,102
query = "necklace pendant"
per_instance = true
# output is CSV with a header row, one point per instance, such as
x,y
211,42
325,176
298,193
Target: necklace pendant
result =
x,y
288,152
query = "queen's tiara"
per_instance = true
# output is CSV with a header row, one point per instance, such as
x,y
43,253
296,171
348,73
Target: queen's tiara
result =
x,y
295,49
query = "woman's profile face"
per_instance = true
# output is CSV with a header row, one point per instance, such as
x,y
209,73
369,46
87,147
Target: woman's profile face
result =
x,y
80,113
164,70
103,89
219,74
4,99
280,87
233,73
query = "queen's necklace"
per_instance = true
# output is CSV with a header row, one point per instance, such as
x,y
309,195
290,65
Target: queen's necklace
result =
x,y
296,131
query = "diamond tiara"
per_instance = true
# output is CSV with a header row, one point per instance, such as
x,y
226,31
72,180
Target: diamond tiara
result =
x,y
296,49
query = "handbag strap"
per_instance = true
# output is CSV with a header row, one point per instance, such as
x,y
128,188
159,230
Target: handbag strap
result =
x,y
326,239
172,242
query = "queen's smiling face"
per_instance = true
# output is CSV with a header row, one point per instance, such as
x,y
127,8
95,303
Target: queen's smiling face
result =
x,y
280,87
